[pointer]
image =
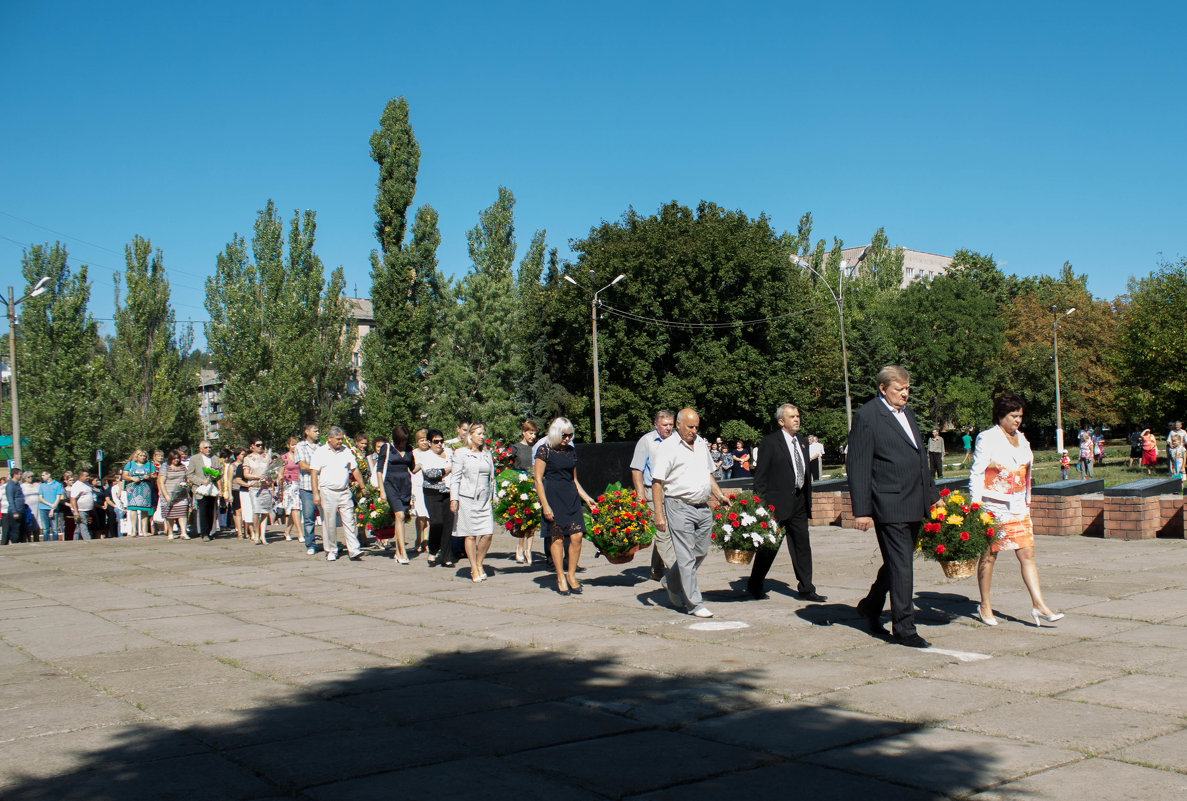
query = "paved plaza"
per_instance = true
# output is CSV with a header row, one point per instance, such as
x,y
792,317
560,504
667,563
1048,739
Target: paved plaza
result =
x,y
156,669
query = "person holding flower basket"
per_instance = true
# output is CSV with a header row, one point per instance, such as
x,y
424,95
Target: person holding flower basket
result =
x,y
560,495
1000,482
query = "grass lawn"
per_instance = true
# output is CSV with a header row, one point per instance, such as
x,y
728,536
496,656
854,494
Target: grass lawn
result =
x,y
1046,468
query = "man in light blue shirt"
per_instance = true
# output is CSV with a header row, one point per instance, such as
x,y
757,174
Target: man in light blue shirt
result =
x,y
51,514
662,555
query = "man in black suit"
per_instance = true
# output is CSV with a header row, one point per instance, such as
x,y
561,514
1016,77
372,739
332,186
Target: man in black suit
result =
x,y
891,488
782,480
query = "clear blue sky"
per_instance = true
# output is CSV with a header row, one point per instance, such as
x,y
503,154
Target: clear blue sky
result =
x,y
1036,132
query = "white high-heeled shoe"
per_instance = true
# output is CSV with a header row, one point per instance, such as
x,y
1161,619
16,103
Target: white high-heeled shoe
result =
x,y
1039,616
988,621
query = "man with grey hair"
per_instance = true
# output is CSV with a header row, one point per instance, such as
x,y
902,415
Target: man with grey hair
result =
x,y
891,489
332,468
685,496
662,556
783,481
204,488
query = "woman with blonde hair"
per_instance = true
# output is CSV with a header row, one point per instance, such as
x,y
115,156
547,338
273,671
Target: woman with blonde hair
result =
x,y
560,496
471,497
137,477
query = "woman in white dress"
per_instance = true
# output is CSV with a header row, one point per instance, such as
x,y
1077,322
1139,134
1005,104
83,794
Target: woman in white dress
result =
x,y
419,513
471,497
1000,482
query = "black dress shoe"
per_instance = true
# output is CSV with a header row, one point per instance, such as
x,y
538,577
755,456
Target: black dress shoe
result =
x,y
912,641
873,618
813,596
756,593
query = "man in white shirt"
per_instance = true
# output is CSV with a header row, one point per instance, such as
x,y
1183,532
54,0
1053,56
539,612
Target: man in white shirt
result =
x,y
662,555
82,501
685,496
332,467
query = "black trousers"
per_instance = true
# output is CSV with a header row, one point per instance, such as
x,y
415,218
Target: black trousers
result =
x,y
936,460
896,577
440,524
13,528
207,514
799,547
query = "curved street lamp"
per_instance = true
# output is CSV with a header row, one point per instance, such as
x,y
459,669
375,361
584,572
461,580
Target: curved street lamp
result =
x,y
1055,349
840,301
39,289
593,317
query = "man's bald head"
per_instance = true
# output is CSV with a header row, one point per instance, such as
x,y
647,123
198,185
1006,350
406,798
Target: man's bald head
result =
x,y
688,422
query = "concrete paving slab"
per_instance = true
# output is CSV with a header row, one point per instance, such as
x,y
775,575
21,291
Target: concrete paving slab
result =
x,y
153,658
1168,752
440,700
197,777
204,628
269,646
943,760
795,729
626,764
1025,674
462,779
1159,694
311,663
1106,654
1089,728
804,781
1091,780
523,728
919,699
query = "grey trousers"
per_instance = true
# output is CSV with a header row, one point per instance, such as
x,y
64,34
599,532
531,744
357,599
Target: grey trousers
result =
x,y
689,528
662,555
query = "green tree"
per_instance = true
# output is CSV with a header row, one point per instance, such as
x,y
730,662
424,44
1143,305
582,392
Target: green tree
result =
x,y
60,362
148,382
712,314
1152,347
279,336
408,295
475,372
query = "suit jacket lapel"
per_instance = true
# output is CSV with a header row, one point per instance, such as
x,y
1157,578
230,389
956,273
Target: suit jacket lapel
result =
x,y
888,416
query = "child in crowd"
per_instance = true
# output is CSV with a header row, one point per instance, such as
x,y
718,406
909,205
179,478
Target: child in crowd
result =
x,y
1065,464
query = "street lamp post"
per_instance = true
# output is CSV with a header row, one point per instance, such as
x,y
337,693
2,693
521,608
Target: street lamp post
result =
x,y
1055,349
16,415
593,319
840,301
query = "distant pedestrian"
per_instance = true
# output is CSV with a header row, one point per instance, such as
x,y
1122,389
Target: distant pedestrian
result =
x,y
966,441
935,453
13,526
1149,451
1065,465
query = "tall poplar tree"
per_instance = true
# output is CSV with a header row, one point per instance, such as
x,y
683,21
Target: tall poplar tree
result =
x,y
279,335
157,397
60,364
475,370
406,289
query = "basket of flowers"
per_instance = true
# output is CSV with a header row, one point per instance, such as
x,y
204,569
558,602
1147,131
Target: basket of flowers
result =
x,y
516,506
503,455
374,515
956,534
741,526
620,525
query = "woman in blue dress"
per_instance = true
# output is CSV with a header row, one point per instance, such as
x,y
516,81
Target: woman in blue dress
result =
x,y
138,476
560,496
396,464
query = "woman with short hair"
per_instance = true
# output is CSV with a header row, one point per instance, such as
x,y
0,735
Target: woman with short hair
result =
x,y
560,496
435,465
471,497
418,511
1000,481
174,493
523,461
257,500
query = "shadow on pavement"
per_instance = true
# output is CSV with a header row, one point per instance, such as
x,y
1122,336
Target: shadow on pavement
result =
x,y
503,723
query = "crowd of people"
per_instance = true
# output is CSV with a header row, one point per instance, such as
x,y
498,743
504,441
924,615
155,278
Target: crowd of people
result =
x,y
446,489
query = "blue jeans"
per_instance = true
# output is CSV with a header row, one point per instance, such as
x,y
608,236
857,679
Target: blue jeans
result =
x,y
52,524
308,515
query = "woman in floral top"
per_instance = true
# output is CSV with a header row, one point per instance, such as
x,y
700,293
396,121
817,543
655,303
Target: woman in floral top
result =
x,y
1000,483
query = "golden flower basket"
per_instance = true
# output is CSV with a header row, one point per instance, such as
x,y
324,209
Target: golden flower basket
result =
x,y
736,557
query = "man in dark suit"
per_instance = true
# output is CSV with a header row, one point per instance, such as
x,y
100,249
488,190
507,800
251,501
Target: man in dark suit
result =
x,y
891,489
782,480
